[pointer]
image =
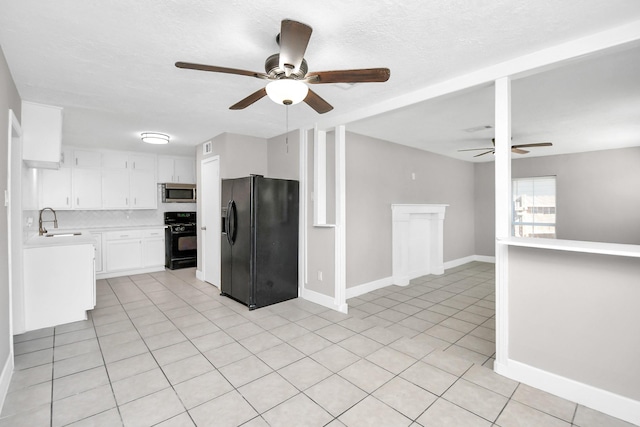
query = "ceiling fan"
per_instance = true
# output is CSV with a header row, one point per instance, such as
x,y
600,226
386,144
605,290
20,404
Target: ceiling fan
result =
x,y
518,149
287,72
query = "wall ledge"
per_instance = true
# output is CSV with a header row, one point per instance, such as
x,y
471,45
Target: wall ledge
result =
x,y
615,249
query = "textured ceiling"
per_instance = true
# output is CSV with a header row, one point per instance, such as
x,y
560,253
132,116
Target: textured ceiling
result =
x,y
588,104
110,64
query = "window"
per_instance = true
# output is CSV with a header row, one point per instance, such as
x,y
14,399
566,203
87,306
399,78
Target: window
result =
x,y
534,207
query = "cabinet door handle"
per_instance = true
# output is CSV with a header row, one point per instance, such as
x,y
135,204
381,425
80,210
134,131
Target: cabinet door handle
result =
x,y
126,200
203,228
126,164
135,201
78,201
134,165
76,161
67,201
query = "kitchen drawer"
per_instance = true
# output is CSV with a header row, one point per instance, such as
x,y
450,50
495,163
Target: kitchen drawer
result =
x,y
156,232
124,234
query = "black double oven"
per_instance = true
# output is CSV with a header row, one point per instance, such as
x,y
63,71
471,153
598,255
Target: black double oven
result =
x,y
180,240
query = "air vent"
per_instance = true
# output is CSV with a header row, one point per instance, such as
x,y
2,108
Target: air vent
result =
x,y
478,128
207,148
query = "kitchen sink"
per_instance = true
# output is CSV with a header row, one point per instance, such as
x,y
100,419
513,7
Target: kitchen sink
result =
x,y
77,233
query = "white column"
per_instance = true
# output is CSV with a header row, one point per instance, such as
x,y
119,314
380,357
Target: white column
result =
x,y
503,216
341,221
319,177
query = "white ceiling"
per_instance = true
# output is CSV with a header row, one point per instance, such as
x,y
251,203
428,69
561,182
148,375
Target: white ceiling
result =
x,y
592,103
110,65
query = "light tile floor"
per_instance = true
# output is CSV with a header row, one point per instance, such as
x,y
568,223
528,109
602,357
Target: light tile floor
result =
x,y
165,349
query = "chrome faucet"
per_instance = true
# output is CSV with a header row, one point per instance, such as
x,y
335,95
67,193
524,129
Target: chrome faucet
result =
x,y
41,229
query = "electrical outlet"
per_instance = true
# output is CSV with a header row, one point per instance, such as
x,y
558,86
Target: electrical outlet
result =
x,y
319,275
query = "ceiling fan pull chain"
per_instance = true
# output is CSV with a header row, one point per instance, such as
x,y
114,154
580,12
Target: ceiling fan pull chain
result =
x,y
286,135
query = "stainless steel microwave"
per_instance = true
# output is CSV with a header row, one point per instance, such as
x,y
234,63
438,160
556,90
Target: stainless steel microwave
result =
x,y
178,193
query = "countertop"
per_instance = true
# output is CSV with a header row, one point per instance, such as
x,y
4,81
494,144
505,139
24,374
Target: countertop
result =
x,y
84,238
103,228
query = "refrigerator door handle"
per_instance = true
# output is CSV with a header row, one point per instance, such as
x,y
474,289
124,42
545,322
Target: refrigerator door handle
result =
x,y
231,233
227,223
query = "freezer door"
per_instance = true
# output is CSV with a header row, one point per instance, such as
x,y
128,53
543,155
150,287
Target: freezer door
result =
x,y
225,246
236,239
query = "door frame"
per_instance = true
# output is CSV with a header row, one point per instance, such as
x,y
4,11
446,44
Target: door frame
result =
x,y
216,224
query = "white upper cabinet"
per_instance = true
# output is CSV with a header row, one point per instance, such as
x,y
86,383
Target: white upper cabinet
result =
x,y
144,190
129,181
56,189
41,135
115,160
143,163
86,159
97,179
176,169
115,188
87,188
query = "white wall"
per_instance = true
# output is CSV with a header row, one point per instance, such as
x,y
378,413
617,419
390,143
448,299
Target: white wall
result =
x,y
575,315
9,99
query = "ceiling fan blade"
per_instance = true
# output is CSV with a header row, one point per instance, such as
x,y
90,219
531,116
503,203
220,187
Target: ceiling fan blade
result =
x,y
482,154
537,144
294,38
365,75
255,96
314,101
215,69
477,149
518,151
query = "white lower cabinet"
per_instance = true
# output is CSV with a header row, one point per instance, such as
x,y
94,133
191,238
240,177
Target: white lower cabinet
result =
x,y
133,252
59,284
124,250
153,248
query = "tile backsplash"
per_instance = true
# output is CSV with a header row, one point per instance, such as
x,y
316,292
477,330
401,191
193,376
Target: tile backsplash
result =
x,y
69,219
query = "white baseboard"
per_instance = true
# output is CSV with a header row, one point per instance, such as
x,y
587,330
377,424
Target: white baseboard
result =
x,y
364,288
471,258
5,377
354,291
323,300
485,258
601,400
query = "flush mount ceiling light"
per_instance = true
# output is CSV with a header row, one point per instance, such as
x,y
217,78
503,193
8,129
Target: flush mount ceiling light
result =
x,y
154,138
287,91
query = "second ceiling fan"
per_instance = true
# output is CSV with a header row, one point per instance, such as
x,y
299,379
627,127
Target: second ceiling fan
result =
x,y
288,74
518,149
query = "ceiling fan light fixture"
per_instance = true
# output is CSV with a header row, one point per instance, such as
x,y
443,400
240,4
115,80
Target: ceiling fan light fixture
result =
x,y
154,138
287,91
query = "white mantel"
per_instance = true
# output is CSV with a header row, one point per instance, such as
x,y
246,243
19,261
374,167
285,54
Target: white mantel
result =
x,y
418,241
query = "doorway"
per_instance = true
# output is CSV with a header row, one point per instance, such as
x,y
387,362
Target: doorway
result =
x,y
210,219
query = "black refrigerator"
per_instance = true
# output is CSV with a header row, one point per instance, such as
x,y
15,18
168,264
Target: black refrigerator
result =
x,y
259,249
